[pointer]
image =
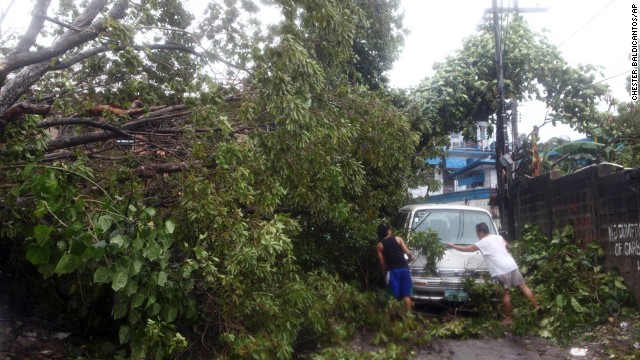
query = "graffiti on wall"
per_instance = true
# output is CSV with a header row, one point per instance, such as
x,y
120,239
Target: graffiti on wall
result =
x,y
619,232
627,240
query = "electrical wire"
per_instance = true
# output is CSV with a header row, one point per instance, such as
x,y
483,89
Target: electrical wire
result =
x,y
587,23
5,12
612,77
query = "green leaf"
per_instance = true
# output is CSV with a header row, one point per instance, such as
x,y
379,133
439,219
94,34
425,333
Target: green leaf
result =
x,y
136,266
47,270
78,247
15,191
102,275
545,334
100,244
131,288
154,309
170,314
170,226
137,243
38,255
119,240
124,334
151,212
120,279
67,264
104,223
152,252
162,278
137,300
134,316
42,234
88,253
119,309
28,170
41,209
51,183
576,305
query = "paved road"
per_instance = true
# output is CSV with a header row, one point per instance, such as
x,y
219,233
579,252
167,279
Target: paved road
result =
x,y
509,347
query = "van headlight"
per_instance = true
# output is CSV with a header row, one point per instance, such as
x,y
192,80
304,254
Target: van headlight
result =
x,y
418,272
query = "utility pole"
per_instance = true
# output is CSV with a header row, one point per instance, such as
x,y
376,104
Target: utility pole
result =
x,y
500,119
506,209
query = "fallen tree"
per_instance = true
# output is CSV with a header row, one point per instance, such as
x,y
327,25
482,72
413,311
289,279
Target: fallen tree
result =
x,y
158,203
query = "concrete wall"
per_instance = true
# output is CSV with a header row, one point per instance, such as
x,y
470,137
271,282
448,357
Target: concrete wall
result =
x,y
601,202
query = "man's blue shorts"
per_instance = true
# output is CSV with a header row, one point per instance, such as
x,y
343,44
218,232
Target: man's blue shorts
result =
x,y
399,282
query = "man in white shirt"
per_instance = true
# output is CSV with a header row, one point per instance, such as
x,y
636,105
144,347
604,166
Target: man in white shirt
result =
x,y
502,266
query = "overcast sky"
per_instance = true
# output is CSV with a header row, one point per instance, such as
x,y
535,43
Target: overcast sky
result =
x,y
594,32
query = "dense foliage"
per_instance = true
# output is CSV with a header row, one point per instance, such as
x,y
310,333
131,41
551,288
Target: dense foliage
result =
x,y
211,189
575,293
620,134
464,88
216,186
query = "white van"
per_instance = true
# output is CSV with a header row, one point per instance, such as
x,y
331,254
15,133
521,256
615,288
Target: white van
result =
x,y
454,224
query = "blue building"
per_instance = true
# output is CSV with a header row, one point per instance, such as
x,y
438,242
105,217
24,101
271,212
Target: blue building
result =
x,y
467,173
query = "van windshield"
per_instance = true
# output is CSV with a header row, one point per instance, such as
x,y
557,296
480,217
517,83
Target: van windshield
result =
x,y
454,226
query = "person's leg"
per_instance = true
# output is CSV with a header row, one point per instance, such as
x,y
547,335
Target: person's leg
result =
x,y
528,294
506,306
405,287
408,302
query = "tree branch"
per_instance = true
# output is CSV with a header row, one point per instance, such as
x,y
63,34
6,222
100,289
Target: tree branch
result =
x,y
104,48
111,131
22,108
69,40
143,171
35,65
60,23
82,121
37,23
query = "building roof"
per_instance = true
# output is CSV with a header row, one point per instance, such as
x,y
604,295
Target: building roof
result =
x,y
472,194
434,161
470,153
455,162
480,164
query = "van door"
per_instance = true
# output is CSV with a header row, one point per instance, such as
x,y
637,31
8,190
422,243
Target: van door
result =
x,y
401,222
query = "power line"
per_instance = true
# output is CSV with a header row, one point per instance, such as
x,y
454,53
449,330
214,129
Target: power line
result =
x,y
5,12
612,77
587,23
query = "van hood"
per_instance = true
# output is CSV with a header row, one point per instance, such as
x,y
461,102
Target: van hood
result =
x,y
455,263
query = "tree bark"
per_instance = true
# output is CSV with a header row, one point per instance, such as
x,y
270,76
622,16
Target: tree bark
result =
x,y
35,64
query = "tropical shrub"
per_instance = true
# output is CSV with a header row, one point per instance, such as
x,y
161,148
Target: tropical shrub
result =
x,y
574,292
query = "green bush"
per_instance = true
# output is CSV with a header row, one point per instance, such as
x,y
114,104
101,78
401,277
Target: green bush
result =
x,y
574,292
